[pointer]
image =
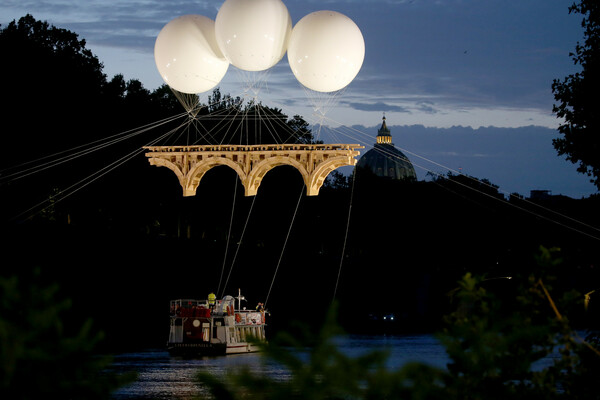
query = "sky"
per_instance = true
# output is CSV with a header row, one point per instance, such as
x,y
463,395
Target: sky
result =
x,y
432,63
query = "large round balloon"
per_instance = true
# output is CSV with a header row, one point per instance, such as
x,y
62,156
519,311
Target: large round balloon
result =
x,y
187,54
326,51
253,34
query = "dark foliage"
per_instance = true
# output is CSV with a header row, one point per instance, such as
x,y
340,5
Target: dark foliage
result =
x,y
577,97
130,241
47,350
505,339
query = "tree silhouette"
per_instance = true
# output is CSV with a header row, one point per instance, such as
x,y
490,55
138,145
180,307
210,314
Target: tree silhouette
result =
x,y
44,352
577,95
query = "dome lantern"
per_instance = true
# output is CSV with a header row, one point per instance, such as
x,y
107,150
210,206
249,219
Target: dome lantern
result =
x,y
384,135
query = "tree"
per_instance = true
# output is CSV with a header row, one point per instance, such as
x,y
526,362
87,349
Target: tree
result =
x,y
53,82
300,130
498,332
44,352
577,95
228,120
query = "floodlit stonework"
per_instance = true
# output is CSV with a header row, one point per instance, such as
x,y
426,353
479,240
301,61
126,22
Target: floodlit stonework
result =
x,y
251,163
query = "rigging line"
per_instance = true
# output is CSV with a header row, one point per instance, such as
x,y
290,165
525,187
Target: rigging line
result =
x,y
269,116
244,126
189,102
284,245
210,135
514,205
450,169
291,112
543,216
462,196
529,202
407,151
127,132
272,130
489,185
228,234
65,159
231,122
65,193
254,82
185,128
69,157
345,236
294,135
239,244
526,210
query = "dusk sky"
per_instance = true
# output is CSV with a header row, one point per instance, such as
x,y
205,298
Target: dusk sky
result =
x,y
436,63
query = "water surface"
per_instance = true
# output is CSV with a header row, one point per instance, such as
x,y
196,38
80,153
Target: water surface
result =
x,y
161,376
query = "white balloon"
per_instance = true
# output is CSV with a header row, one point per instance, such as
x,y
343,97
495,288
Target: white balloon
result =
x,y
253,34
326,51
187,54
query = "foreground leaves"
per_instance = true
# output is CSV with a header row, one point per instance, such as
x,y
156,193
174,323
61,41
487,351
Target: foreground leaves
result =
x,y
506,339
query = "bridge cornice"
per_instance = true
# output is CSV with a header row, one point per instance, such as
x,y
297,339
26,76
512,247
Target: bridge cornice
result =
x,y
253,148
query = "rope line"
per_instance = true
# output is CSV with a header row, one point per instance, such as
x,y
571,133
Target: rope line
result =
x,y
228,233
79,151
284,246
345,236
239,245
541,207
69,191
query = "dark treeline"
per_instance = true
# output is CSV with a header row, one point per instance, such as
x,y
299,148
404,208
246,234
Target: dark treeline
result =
x,y
407,245
128,242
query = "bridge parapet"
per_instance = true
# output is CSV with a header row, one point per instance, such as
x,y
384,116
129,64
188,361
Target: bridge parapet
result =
x,y
251,163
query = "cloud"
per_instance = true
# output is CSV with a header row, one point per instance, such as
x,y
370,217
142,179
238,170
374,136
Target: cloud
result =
x,y
415,61
427,107
409,106
516,159
378,106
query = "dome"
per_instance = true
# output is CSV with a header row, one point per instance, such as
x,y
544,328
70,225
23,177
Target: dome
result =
x,y
385,160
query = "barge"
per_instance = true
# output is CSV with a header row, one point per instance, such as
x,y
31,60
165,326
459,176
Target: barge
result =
x,y
215,327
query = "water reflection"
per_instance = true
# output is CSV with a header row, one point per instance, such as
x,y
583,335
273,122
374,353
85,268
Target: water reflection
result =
x,y
161,376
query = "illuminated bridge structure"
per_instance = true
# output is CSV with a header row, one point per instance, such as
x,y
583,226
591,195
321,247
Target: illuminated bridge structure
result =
x,y
251,163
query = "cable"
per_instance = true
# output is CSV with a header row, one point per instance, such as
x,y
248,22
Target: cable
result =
x,y
228,234
239,244
284,246
82,150
345,236
485,184
65,193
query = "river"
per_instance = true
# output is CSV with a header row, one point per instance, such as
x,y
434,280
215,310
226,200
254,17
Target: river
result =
x,y
161,376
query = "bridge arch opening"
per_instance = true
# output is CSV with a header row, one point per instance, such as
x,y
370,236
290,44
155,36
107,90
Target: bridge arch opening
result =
x,y
280,180
201,169
260,170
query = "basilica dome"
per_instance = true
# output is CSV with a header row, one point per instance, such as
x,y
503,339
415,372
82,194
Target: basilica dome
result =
x,y
385,160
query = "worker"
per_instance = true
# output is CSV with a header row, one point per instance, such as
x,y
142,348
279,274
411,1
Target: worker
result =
x,y
211,300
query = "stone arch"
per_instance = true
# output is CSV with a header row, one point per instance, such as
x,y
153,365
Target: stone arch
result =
x,y
161,162
195,175
320,173
259,171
